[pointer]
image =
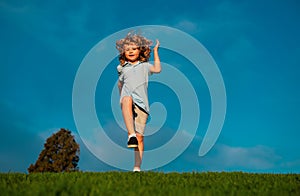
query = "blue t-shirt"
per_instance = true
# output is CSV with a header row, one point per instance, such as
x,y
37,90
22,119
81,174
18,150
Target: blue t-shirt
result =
x,y
135,82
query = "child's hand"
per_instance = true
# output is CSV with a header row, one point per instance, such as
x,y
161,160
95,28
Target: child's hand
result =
x,y
156,45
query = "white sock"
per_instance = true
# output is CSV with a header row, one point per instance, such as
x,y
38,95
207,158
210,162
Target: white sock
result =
x,y
136,169
132,135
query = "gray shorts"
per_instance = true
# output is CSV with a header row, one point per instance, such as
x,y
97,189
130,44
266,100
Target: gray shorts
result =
x,y
140,118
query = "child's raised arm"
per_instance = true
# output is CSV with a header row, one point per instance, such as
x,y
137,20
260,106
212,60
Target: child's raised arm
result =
x,y
156,68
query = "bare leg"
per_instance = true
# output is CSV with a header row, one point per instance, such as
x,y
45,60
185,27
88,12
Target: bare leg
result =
x,y
138,152
127,114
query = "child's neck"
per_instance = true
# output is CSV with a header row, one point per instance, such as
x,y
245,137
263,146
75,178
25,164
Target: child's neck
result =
x,y
133,62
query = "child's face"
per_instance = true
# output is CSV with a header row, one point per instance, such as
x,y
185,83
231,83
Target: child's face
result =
x,y
132,52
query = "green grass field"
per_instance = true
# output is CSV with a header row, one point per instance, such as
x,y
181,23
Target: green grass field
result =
x,y
149,183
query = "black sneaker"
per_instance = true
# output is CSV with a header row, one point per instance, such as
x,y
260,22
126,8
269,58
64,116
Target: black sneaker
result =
x,y
132,143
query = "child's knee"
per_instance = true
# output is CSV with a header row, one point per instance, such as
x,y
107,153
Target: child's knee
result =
x,y
140,137
126,100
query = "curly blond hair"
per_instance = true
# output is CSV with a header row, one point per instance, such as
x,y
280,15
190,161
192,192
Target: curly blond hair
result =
x,y
142,42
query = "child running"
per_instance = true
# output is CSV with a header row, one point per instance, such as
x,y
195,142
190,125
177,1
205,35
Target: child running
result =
x,y
133,71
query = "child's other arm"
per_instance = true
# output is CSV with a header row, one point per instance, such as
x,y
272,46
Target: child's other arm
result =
x,y
156,68
120,85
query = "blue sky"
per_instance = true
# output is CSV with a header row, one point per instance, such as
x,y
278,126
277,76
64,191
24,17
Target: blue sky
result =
x,y
255,45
